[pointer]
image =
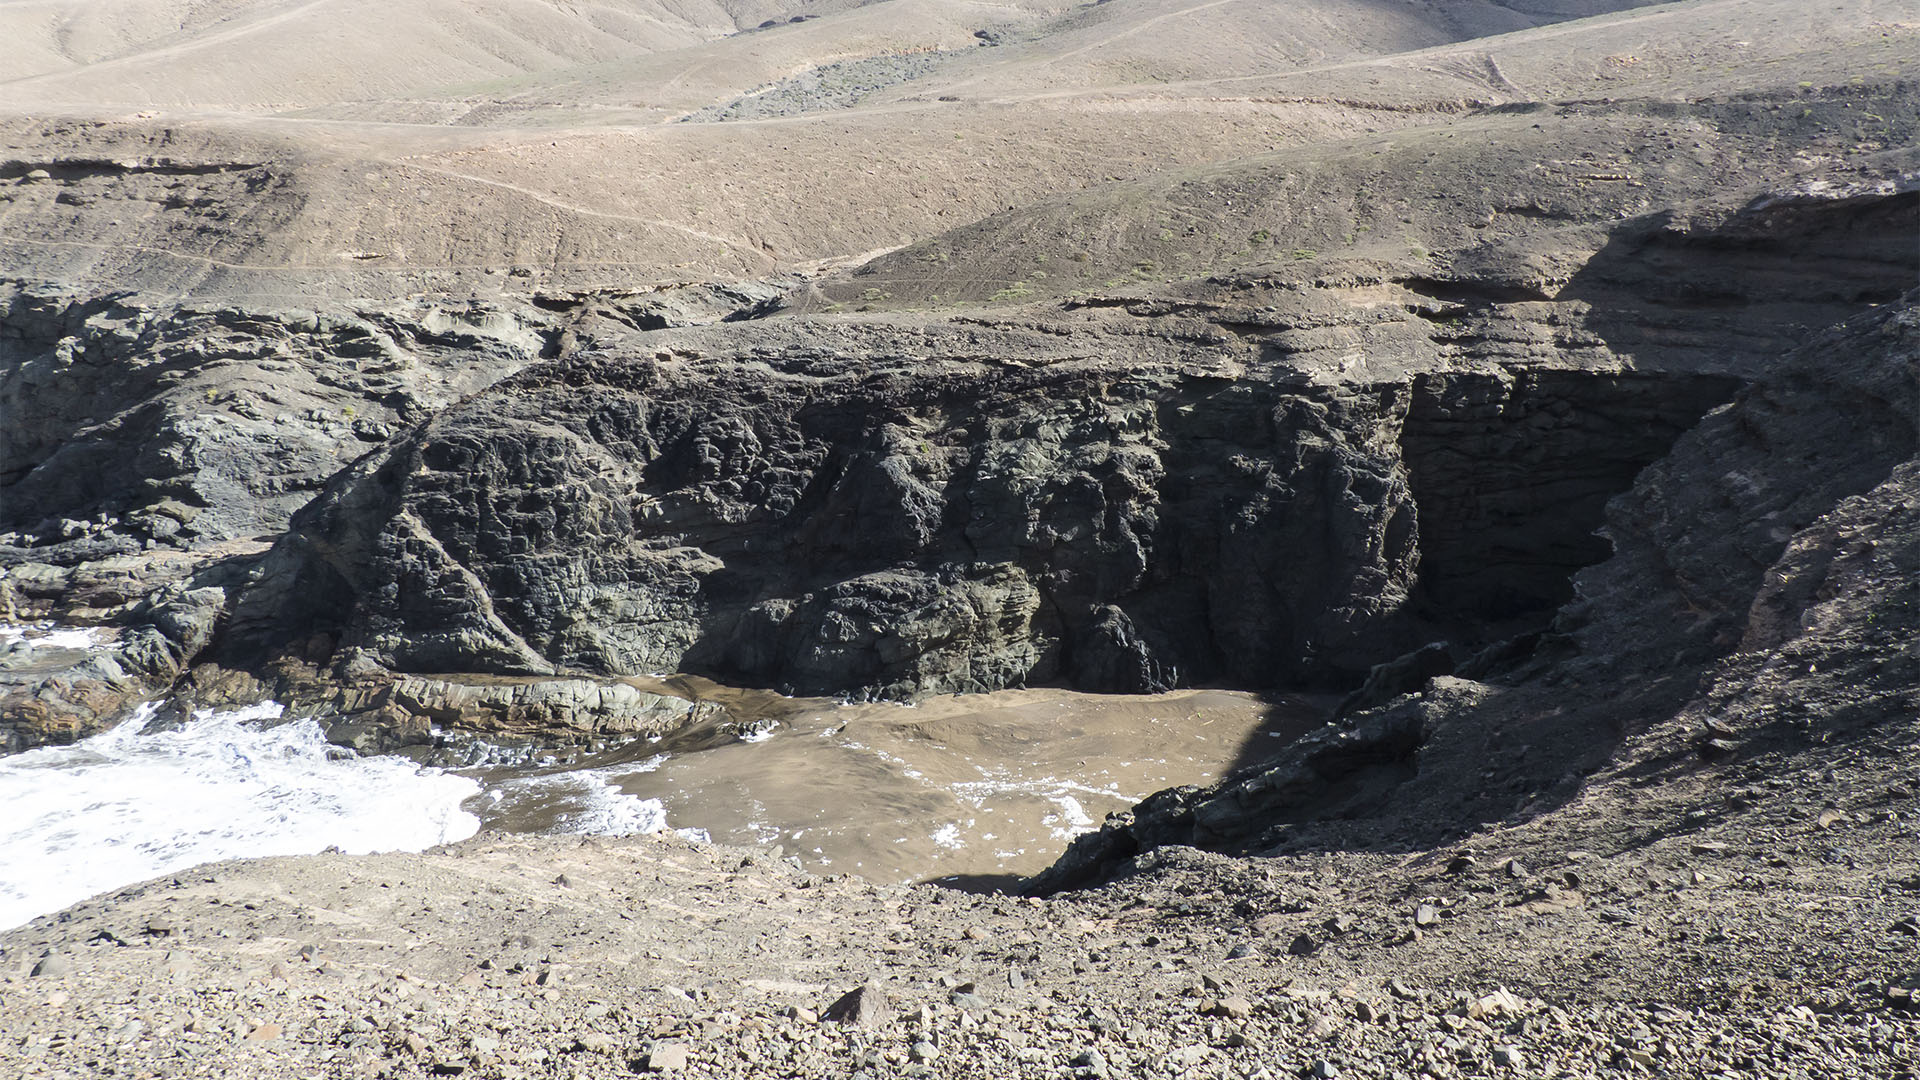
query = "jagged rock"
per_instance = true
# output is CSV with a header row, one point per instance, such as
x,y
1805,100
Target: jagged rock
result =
x,y
863,1006
1763,566
668,1057
844,519
199,424
1404,675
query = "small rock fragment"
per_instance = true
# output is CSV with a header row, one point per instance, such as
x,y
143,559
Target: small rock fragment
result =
x,y
1718,749
53,964
667,1057
863,1006
1234,1007
593,1042
1188,1056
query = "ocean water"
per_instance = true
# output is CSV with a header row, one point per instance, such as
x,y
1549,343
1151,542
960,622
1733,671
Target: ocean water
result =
x,y
130,804
982,787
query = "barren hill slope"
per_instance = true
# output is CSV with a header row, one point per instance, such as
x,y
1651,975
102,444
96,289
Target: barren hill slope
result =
x,y
279,54
862,129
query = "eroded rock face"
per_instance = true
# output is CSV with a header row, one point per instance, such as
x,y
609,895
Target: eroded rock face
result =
x,y
1761,596
1254,480
899,517
134,425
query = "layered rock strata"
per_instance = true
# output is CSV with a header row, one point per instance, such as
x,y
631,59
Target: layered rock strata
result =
x,y
1759,606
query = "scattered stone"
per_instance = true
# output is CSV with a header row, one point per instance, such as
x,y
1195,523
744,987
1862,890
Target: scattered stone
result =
x,y
1426,915
1234,1007
863,1006
1322,1069
264,1033
1718,749
1498,1003
1509,1057
1186,1057
1303,945
667,1057
52,964
593,1042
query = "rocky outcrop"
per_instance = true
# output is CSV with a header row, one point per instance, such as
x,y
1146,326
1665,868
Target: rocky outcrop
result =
x,y
1760,600
1262,485
1248,481
851,521
135,425
63,694
543,711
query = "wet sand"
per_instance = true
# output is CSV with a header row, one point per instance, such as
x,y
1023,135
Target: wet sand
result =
x,y
970,790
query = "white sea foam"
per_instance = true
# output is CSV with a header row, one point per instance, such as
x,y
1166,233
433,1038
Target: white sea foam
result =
x,y
127,804
587,801
52,636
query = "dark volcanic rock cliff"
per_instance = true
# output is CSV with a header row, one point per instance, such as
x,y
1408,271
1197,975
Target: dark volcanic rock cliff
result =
x,y
848,522
1255,481
1262,483
1757,616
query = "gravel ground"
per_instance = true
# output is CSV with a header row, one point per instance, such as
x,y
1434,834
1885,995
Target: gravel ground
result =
x,y
1514,955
